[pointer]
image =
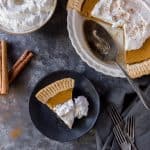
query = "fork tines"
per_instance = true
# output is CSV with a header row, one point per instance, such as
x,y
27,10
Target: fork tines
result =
x,y
130,131
130,127
120,137
114,114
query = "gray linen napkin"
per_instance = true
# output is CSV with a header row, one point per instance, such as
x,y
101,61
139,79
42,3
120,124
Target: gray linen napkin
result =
x,y
128,104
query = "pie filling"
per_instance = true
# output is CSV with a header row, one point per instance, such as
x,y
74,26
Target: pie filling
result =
x,y
88,6
60,98
139,55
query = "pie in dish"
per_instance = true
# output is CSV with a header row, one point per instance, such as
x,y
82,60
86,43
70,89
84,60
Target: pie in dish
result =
x,y
58,97
130,16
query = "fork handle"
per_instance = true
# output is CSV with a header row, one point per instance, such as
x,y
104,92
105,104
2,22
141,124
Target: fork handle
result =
x,y
133,146
132,143
135,87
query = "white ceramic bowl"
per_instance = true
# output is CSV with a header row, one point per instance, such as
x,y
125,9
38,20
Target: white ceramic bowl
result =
x,y
35,28
75,29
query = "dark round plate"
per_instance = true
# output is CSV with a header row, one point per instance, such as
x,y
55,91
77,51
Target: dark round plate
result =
x,y
49,124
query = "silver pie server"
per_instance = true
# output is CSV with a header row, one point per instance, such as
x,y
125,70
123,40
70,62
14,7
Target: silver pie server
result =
x,y
103,46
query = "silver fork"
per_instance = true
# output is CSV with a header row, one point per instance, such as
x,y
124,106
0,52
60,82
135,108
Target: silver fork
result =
x,y
121,139
115,116
130,131
118,120
130,127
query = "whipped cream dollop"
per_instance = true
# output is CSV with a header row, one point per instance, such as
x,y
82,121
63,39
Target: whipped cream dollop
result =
x,y
81,107
24,15
70,110
147,2
131,15
66,112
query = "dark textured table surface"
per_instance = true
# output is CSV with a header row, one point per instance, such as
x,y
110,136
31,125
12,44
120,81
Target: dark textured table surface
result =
x,y
53,51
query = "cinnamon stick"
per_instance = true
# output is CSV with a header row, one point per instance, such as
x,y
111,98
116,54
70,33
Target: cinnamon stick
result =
x,y
4,84
20,65
0,68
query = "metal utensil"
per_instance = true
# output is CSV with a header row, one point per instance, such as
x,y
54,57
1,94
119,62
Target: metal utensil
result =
x,y
130,131
130,128
121,139
99,144
117,119
114,114
103,46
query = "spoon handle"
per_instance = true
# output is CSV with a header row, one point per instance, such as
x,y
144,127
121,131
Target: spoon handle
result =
x,y
135,87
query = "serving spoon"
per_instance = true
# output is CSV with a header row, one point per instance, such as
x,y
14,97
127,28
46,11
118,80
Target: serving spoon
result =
x,y
103,46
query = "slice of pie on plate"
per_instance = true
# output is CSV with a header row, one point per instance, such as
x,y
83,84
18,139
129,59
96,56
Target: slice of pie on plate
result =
x,y
58,97
133,18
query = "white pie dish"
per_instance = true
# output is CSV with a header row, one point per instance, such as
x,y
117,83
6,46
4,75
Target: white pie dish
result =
x,y
75,30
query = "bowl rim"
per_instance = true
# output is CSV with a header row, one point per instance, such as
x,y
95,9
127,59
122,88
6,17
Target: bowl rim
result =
x,y
34,29
81,51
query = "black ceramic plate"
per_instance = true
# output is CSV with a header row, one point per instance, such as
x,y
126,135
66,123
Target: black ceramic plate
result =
x,y
49,124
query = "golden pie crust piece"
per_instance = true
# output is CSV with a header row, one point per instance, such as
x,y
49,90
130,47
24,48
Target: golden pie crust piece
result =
x,y
82,6
139,69
57,92
138,61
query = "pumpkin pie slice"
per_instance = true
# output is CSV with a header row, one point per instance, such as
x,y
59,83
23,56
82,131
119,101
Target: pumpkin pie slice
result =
x,y
58,97
138,61
119,14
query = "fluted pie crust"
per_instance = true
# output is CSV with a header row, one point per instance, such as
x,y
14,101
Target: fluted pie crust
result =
x,y
137,61
57,92
139,69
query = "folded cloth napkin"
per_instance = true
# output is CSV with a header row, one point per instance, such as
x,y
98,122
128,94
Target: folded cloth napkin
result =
x,y
128,104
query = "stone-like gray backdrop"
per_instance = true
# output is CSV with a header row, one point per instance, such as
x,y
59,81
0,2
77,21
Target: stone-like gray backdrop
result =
x,y
53,51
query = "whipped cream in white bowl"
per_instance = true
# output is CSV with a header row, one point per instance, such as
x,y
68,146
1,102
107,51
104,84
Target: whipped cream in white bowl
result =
x,y
24,16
